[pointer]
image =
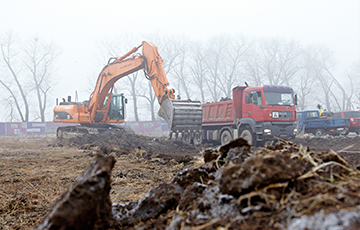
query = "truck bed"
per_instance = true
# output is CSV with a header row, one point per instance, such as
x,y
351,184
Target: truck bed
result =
x,y
218,113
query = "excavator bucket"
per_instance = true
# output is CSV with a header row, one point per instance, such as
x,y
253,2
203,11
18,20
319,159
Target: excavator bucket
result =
x,y
181,115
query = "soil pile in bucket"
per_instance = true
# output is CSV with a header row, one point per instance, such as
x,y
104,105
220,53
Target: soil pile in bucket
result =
x,y
279,187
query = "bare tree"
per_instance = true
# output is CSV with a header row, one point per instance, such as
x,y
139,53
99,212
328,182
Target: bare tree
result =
x,y
35,59
354,80
235,54
350,94
181,70
253,73
305,80
132,79
215,53
39,59
9,105
268,52
324,69
289,62
150,97
14,86
274,61
198,68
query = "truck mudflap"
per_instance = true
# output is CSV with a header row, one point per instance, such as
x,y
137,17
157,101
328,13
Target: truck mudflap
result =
x,y
181,115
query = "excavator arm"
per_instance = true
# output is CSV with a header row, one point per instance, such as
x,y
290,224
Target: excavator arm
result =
x,y
175,112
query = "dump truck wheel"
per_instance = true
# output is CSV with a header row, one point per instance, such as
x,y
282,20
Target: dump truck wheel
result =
x,y
197,139
248,135
59,133
225,137
186,137
346,132
319,132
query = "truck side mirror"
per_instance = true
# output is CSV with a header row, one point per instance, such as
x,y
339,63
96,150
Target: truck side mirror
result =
x,y
296,99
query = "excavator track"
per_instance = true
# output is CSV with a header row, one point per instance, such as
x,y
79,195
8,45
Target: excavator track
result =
x,y
67,132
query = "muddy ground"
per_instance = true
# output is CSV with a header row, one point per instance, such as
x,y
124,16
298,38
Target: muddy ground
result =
x,y
230,187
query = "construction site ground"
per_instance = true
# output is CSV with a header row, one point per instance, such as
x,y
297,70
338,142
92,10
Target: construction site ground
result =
x,y
37,169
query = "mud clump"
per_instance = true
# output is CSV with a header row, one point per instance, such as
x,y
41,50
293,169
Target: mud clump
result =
x,y
151,206
236,187
86,205
257,172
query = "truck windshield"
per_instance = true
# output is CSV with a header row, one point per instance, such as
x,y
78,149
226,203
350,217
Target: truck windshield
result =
x,y
351,114
275,98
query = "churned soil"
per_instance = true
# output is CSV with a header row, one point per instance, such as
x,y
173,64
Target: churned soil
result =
x,y
346,146
37,169
156,183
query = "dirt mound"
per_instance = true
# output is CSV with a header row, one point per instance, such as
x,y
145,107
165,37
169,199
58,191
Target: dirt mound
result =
x,y
270,188
256,190
346,146
337,143
129,143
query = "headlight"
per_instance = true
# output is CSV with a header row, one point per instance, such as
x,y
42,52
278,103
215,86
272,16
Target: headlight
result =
x,y
267,131
295,131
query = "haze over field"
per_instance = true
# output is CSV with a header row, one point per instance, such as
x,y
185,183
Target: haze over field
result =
x,y
77,28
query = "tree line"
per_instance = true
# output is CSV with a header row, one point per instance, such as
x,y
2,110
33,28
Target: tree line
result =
x,y
26,77
198,70
207,71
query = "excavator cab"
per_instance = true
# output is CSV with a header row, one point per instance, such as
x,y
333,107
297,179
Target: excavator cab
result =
x,y
117,107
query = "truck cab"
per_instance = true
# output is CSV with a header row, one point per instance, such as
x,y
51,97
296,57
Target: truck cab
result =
x,y
268,111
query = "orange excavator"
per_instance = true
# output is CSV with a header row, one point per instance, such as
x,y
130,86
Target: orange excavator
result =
x,y
104,109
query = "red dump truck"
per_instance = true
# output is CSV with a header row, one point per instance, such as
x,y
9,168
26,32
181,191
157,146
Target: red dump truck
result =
x,y
256,114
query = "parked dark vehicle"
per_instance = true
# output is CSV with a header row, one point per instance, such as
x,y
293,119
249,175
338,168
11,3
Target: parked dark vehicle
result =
x,y
310,121
354,118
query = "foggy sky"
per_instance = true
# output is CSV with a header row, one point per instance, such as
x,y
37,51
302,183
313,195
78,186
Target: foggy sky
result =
x,y
76,26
